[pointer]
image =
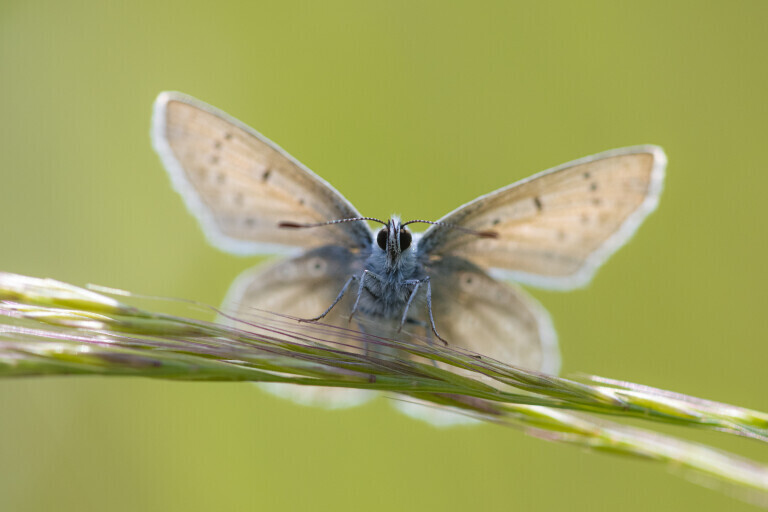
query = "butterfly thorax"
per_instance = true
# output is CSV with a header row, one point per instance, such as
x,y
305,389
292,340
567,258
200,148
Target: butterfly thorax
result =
x,y
391,266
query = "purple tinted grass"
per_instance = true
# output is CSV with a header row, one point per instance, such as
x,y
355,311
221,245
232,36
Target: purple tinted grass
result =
x,y
90,334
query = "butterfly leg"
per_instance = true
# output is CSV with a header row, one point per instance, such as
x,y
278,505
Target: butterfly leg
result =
x,y
417,283
338,298
410,282
365,274
429,308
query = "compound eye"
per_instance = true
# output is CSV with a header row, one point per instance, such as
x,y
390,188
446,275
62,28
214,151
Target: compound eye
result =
x,y
381,239
405,239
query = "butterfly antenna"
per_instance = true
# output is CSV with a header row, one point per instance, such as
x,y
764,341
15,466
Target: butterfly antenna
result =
x,y
482,234
288,224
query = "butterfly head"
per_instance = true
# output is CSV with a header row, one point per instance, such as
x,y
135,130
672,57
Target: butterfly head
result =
x,y
394,239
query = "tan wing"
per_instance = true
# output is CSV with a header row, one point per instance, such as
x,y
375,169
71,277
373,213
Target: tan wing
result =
x,y
240,185
475,312
557,227
302,287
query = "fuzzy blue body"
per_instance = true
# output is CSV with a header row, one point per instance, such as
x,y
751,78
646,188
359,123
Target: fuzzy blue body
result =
x,y
391,277
386,294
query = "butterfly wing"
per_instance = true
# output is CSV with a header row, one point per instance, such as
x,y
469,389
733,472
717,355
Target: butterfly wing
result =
x,y
557,227
475,312
302,287
240,185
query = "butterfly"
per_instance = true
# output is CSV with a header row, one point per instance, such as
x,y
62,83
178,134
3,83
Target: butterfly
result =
x,y
551,230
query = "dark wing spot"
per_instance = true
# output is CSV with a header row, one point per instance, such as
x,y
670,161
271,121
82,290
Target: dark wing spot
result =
x,y
221,178
597,201
537,202
561,235
302,202
214,159
587,175
265,175
227,136
468,280
593,186
217,144
495,221
250,222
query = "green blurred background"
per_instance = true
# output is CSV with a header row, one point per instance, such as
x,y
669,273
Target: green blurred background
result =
x,y
451,100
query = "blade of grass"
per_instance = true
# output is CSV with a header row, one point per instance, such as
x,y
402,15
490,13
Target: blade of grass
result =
x,y
53,328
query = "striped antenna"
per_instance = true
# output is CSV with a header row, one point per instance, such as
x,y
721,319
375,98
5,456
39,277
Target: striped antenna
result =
x,y
288,224
482,234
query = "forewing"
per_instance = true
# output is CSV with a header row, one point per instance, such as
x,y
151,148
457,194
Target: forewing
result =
x,y
240,185
557,227
302,287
